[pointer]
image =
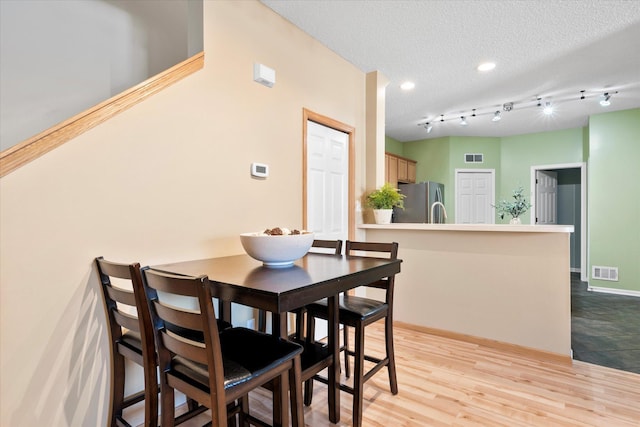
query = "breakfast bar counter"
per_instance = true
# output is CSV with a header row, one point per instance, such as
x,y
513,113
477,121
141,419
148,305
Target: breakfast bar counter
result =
x,y
501,282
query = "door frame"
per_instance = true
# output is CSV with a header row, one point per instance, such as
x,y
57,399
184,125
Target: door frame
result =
x,y
350,131
493,189
583,207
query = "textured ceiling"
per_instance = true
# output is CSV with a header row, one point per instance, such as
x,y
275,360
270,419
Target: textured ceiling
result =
x,y
543,49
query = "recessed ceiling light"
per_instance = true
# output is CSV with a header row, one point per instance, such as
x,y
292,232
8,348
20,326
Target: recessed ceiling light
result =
x,y
486,66
407,85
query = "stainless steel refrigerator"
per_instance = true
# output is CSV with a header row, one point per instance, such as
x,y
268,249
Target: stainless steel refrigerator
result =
x,y
417,205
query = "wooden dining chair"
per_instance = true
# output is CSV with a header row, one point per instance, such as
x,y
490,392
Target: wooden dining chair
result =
x,y
332,247
132,337
224,368
126,308
359,312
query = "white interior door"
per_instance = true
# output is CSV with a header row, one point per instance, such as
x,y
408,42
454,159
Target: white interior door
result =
x,y
327,181
327,188
475,190
546,197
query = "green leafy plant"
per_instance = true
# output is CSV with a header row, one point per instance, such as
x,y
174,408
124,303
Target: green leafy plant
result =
x,y
386,197
515,208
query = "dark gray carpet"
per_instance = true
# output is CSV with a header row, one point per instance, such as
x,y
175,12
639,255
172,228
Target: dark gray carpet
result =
x,y
605,328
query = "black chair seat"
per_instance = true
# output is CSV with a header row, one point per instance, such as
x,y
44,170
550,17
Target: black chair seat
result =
x,y
352,309
255,351
234,373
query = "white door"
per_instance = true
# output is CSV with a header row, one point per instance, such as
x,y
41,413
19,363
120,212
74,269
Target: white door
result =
x,y
475,191
546,197
327,182
327,188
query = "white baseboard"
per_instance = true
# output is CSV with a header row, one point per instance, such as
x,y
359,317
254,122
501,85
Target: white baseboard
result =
x,y
626,292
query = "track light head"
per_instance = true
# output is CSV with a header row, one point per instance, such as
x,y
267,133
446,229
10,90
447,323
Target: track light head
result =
x,y
507,106
429,127
605,101
463,121
548,108
496,117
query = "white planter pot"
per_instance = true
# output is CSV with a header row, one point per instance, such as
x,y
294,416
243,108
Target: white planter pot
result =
x,y
383,216
515,221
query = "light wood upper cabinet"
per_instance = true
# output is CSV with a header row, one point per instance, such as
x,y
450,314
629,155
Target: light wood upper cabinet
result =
x,y
411,171
399,169
391,170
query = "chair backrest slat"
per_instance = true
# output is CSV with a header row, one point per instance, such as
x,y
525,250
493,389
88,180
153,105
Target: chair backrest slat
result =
x,y
182,318
335,245
197,353
388,250
127,320
170,283
122,296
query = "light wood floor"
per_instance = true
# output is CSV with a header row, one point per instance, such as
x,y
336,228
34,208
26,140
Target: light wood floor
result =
x,y
446,382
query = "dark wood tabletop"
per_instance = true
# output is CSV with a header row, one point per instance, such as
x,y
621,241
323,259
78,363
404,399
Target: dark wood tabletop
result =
x,y
243,280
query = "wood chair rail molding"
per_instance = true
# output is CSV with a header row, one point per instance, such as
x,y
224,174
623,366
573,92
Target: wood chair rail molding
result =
x,y
20,154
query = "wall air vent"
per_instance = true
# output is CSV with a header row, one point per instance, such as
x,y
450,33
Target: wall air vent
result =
x,y
474,158
604,273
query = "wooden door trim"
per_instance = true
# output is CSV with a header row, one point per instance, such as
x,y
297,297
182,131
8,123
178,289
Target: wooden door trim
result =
x,y
351,132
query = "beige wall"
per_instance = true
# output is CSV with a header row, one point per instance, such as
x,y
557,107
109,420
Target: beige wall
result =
x,y
189,147
512,287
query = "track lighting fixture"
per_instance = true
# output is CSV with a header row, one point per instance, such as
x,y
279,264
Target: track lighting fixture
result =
x,y
547,107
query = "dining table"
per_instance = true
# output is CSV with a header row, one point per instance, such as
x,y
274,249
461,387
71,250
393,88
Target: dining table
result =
x,y
243,280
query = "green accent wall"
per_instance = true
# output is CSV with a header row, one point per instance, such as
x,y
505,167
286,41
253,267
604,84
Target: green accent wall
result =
x,y
614,197
393,146
520,152
459,146
610,146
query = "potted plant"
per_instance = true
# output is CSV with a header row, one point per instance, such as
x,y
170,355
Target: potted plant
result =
x,y
514,208
383,200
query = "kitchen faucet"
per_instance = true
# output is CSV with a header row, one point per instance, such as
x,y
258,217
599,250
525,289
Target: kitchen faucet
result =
x,y
444,211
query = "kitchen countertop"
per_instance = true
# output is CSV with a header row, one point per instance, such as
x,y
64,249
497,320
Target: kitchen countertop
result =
x,y
521,228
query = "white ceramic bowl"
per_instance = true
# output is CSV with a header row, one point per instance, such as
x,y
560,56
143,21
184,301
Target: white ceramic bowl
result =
x,y
276,251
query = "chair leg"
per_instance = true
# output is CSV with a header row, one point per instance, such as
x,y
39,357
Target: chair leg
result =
x,y
277,401
300,314
151,397
167,397
311,334
358,376
347,366
295,393
393,380
117,381
262,321
244,411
